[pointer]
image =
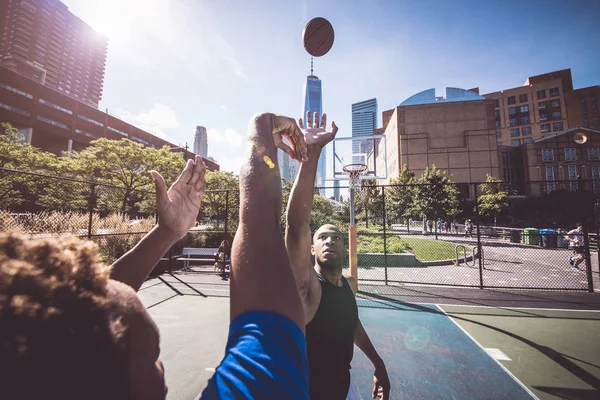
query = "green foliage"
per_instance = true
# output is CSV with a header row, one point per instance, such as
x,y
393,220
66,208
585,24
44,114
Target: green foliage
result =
x,y
374,244
369,202
435,196
223,199
399,198
492,199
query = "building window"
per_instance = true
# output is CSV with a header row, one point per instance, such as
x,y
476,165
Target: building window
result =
x,y
56,106
543,116
586,122
110,128
596,122
512,122
515,142
507,157
524,120
555,103
498,124
137,139
583,98
15,90
545,127
514,132
554,92
550,179
573,177
526,131
496,113
79,131
511,100
51,122
570,154
596,172
512,110
83,117
593,153
557,126
541,94
524,109
527,140
584,110
547,155
556,115
522,98
508,175
499,135
15,110
594,109
496,103
542,105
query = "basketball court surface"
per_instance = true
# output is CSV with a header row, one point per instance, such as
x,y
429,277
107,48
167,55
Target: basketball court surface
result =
x,y
438,343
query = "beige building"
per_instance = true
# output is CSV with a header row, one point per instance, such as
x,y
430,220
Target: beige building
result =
x,y
456,134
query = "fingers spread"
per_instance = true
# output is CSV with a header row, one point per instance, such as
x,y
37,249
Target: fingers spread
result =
x,y
316,120
334,127
198,171
324,121
308,119
300,123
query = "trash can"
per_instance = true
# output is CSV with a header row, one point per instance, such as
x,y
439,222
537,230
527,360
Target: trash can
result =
x,y
531,236
515,236
548,237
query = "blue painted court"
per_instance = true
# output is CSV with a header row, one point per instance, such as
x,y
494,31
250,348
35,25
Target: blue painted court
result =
x,y
428,356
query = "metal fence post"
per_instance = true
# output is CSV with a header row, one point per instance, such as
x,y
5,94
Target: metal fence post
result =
x,y
385,263
588,258
478,238
226,212
91,204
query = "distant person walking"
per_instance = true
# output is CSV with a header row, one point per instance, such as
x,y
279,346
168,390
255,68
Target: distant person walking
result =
x,y
576,243
468,228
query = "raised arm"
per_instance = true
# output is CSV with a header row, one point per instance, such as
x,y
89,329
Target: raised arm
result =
x,y
177,211
261,277
297,235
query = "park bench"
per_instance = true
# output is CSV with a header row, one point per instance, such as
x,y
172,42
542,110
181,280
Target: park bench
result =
x,y
190,254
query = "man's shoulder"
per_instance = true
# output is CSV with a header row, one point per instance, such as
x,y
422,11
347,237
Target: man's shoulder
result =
x,y
352,283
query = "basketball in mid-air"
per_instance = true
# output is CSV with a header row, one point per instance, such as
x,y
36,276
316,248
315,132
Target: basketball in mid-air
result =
x,y
317,37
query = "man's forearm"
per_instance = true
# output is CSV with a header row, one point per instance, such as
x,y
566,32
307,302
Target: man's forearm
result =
x,y
301,196
133,267
361,339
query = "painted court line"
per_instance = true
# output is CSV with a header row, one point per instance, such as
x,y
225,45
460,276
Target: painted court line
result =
x,y
514,308
482,348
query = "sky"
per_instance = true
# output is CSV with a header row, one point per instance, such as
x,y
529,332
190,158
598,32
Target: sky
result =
x,y
176,64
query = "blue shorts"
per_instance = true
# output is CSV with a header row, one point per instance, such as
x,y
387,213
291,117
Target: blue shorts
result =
x,y
265,358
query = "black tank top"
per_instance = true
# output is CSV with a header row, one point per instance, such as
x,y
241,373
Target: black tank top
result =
x,y
330,341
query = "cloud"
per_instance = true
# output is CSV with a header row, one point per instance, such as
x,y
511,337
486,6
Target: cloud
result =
x,y
230,137
154,120
227,147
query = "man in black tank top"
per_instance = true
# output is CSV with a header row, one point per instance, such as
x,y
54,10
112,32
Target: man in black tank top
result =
x,y
333,326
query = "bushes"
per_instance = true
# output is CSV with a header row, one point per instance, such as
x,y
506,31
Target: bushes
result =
x,y
374,244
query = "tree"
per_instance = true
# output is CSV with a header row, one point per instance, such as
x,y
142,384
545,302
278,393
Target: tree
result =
x,y
127,165
370,199
435,196
400,194
217,203
492,199
16,154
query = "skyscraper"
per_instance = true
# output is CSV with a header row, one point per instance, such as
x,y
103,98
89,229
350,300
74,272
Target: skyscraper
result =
x,y
201,142
364,122
42,40
313,102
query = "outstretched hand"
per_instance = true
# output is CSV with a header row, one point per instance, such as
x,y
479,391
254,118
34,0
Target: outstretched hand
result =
x,y
178,207
285,127
315,134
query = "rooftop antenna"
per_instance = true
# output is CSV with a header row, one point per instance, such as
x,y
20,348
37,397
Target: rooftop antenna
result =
x,y
311,66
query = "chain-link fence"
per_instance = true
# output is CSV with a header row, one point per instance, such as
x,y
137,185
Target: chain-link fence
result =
x,y
513,236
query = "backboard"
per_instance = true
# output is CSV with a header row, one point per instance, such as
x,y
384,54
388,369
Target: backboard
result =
x,y
369,150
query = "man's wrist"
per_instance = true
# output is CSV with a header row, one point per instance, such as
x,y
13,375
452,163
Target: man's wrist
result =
x,y
166,235
378,363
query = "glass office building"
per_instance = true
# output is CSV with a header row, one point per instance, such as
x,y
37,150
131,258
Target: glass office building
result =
x,y
313,102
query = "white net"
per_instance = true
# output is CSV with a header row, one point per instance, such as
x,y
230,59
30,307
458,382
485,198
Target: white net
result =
x,y
355,172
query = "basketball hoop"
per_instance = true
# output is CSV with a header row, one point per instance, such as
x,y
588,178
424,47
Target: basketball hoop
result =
x,y
354,172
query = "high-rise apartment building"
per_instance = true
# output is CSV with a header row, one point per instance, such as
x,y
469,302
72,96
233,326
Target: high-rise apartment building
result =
x,y
313,102
364,122
42,40
201,142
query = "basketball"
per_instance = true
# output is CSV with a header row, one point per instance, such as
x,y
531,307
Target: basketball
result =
x,y
317,37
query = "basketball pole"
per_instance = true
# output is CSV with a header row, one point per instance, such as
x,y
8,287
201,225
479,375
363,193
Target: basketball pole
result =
x,y
352,240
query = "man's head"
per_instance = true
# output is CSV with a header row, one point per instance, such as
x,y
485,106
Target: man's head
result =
x,y
328,247
68,331
579,226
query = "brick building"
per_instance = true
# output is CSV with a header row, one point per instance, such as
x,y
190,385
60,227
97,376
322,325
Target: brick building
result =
x,y
55,122
44,41
456,134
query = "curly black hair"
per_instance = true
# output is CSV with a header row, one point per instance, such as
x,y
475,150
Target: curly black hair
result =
x,y
59,338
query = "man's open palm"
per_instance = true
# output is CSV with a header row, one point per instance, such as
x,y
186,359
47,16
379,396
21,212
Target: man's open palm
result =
x,y
315,134
178,207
